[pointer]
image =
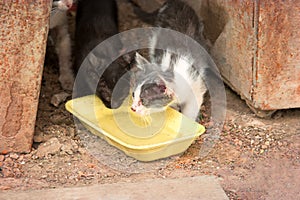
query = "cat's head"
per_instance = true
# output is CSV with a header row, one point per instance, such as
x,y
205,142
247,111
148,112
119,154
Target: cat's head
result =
x,y
62,4
150,87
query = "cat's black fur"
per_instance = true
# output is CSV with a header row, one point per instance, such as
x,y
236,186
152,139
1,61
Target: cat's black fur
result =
x,y
176,15
97,20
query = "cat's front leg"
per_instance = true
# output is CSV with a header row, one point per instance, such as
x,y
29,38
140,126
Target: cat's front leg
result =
x,y
66,77
193,99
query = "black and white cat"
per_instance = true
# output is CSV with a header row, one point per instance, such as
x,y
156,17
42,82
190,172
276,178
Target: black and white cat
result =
x,y
59,24
167,78
97,20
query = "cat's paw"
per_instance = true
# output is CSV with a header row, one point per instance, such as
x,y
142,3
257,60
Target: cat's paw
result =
x,y
66,82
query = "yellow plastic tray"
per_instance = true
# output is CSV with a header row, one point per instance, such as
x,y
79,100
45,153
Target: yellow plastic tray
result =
x,y
148,138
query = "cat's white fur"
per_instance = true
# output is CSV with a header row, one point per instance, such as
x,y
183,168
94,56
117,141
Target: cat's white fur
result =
x,y
59,21
189,92
136,104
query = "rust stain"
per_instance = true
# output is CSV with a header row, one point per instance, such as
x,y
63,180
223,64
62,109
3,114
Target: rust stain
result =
x,y
273,30
298,91
278,30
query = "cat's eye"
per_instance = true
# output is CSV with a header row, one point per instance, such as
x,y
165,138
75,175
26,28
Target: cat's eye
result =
x,y
133,94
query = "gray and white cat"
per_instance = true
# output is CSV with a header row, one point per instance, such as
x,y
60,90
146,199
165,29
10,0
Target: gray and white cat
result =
x,y
59,24
168,78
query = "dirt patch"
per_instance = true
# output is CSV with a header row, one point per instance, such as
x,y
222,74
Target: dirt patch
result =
x,y
254,158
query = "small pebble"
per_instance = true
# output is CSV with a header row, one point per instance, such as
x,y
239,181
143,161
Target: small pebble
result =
x,y
2,158
44,176
261,134
21,157
9,160
57,99
82,150
14,156
240,143
262,151
264,146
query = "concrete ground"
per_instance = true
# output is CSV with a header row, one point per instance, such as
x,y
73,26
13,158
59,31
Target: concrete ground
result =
x,y
189,188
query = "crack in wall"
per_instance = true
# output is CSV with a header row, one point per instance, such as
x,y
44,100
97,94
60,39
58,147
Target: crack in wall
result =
x,y
13,116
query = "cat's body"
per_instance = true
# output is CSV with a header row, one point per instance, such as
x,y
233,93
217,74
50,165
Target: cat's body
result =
x,y
59,24
168,78
95,22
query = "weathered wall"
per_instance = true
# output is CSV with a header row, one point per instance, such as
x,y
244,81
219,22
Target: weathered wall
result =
x,y
256,45
231,30
23,34
277,81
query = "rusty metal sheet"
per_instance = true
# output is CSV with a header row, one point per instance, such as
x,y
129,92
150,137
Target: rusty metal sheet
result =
x,y
256,45
23,34
278,57
229,26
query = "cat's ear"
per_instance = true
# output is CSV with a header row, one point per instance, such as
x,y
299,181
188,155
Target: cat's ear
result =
x,y
140,61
